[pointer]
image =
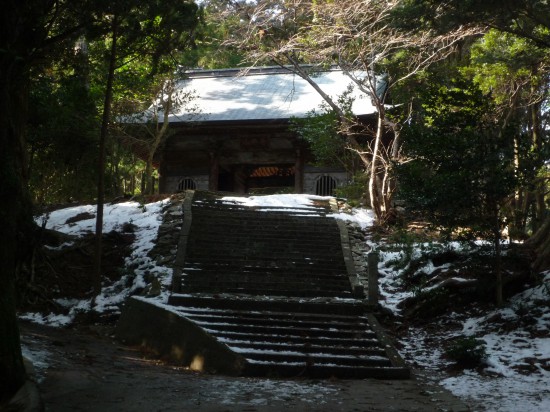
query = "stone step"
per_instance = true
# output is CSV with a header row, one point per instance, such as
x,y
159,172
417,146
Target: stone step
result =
x,y
261,261
268,282
261,290
256,219
281,338
283,214
264,312
324,323
342,307
291,244
261,329
266,253
252,222
288,275
244,247
259,239
365,341
249,223
272,234
336,275
292,274
214,279
329,251
314,359
289,231
306,348
217,258
265,268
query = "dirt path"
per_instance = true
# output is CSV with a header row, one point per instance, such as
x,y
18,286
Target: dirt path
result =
x,y
83,369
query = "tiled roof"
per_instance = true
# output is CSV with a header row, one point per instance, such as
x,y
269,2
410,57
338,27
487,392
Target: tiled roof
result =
x,y
225,95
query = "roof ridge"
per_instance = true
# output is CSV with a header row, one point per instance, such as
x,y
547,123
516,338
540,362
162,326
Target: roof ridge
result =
x,y
245,71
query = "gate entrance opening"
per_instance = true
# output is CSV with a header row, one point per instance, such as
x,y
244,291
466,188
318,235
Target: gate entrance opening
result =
x,y
263,179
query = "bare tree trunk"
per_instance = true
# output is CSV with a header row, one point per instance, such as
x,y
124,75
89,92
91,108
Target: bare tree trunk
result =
x,y
374,187
498,266
101,163
147,176
158,137
12,372
15,212
540,242
133,177
540,204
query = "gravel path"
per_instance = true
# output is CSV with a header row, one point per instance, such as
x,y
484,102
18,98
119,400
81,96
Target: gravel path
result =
x,y
83,369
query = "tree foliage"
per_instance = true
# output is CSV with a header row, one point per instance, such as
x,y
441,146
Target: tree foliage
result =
x,y
460,170
62,131
363,39
38,42
514,73
512,62
321,130
221,26
146,132
31,31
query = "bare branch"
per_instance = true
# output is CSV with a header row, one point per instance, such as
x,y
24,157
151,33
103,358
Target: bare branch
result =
x,y
361,37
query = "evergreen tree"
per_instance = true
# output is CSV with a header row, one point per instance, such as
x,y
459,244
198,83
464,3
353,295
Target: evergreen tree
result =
x,y
62,132
514,54
29,30
460,171
154,31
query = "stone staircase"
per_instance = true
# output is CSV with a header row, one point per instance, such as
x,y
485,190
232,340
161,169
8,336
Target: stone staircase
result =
x,y
273,285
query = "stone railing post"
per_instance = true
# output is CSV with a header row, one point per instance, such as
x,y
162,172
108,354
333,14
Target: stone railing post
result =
x,y
179,261
372,267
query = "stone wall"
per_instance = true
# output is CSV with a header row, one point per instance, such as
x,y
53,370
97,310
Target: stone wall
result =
x,y
166,246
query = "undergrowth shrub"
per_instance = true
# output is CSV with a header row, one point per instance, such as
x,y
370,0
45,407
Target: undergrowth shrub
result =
x,y
355,191
467,351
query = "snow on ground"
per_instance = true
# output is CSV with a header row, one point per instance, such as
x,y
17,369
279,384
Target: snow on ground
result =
x,y
146,218
509,353
279,201
265,392
504,385
362,217
517,371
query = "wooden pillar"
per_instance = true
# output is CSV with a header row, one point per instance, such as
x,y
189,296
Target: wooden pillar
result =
x,y
142,183
299,172
162,179
214,172
239,179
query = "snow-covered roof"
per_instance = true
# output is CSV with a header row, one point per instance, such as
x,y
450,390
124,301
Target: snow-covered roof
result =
x,y
262,94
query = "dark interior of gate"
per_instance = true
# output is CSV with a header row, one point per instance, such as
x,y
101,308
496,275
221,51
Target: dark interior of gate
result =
x,y
257,179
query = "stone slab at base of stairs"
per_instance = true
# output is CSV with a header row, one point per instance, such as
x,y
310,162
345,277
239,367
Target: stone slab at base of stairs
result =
x,y
173,338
